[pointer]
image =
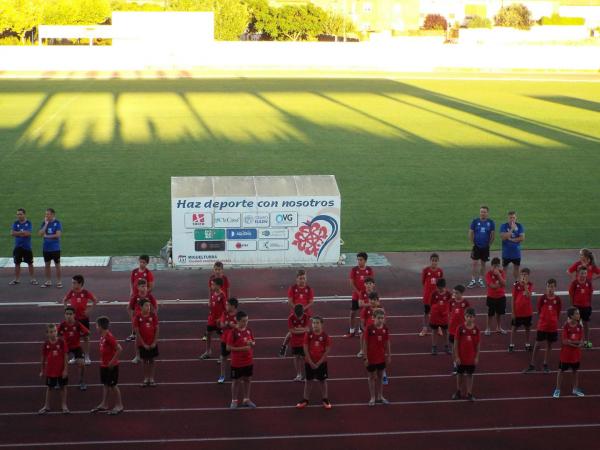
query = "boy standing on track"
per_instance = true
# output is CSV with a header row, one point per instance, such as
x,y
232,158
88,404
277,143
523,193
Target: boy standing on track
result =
x,y
135,306
429,277
317,344
216,306
241,344
481,235
366,316
141,273
438,321
54,367
466,355
298,323
71,331
378,353
496,296
51,231
21,231
458,306
580,293
358,275
549,306
110,350
586,259
522,311
298,294
79,299
146,326
227,322
219,272
570,352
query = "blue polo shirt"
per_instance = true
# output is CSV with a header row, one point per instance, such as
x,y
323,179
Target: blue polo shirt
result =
x,y
52,245
511,250
20,241
482,231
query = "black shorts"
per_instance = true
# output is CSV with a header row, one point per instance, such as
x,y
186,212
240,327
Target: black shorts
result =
x,y
53,382
563,366
426,309
465,369
298,351
374,367
210,328
109,376
224,352
52,256
550,336
496,306
240,372
435,326
480,253
355,305
77,353
585,312
148,355
22,255
514,261
451,338
320,373
85,321
518,322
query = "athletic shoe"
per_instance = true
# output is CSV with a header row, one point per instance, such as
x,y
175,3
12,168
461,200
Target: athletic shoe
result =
x,y
221,379
249,404
530,369
434,350
472,284
282,351
383,401
385,380
588,344
298,378
578,393
82,386
350,334
456,396
205,355
302,404
471,397
371,402
511,348
130,338
487,332
13,282
546,368
501,331
135,360
326,404
87,360
481,283
72,361
233,405
454,370
423,332
528,347
556,393
359,354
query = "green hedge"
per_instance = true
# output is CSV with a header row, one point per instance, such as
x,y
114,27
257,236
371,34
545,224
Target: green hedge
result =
x,y
555,19
479,22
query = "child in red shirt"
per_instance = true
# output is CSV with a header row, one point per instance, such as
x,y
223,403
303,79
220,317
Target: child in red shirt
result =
x,y
241,344
458,306
438,319
71,331
466,355
227,323
358,275
135,306
366,316
54,368
429,277
548,306
522,311
298,294
586,260
110,350
317,345
378,354
80,299
580,293
570,352
298,323
216,306
495,280
141,273
146,328
219,272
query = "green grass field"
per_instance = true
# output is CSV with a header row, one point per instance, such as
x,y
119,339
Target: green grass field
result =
x,y
414,159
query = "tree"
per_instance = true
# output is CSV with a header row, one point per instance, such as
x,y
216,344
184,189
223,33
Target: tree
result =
x,y
335,24
231,19
191,5
515,15
260,15
21,16
303,22
435,22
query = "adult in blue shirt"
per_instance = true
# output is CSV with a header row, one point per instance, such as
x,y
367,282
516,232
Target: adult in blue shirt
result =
x,y
22,253
512,234
481,235
51,231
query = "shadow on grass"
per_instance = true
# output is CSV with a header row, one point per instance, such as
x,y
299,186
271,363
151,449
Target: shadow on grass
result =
x,y
570,101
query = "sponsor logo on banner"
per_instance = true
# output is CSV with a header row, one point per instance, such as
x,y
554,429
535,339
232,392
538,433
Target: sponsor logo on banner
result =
x,y
198,220
273,244
241,246
228,220
209,246
313,236
274,233
284,219
182,259
256,220
241,233
209,235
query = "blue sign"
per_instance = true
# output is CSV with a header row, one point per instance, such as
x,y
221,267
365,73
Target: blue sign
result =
x,y
242,233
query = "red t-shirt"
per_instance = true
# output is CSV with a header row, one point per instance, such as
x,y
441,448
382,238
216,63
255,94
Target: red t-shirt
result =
x,y
591,270
440,307
108,348
429,278
358,275
457,315
146,326
522,302
301,295
377,339
492,278
229,322
570,354
54,352
240,338
549,310
72,333
225,287
297,340
317,345
581,294
135,302
216,306
468,340
79,301
137,274
366,316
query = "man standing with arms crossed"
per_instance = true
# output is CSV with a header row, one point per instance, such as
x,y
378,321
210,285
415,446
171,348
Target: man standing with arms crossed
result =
x,y
51,231
481,235
21,231
512,234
